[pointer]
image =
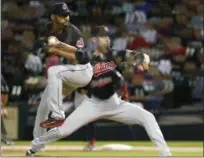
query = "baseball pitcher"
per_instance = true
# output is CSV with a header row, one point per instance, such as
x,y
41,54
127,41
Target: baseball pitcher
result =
x,y
106,104
77,74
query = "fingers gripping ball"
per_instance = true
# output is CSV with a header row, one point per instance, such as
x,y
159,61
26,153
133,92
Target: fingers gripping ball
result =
x,y
52,44
52,40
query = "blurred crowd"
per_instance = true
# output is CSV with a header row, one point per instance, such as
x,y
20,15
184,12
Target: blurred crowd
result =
x,y
170,31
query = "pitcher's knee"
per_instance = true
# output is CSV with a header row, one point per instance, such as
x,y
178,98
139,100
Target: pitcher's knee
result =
x,y
139,104
149,115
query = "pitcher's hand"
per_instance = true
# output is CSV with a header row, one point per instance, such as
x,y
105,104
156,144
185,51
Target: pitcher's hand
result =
x,y
53,41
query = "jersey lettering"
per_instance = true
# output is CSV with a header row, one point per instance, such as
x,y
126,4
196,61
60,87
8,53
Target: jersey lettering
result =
x,y
101,68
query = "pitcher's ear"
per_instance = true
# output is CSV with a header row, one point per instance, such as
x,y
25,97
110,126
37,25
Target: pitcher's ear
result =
x,y
52,16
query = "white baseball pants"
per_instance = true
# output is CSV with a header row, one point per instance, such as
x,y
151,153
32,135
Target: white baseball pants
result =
x,y
74,76
112,109
79,98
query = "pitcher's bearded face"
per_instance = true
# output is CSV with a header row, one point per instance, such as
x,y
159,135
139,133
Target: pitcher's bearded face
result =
x,y
62,20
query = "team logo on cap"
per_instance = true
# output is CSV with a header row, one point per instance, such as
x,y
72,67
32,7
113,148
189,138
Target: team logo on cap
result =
x,y
105,29
64,6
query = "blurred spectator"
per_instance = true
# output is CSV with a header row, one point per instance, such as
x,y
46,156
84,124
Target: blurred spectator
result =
x,y
142,5
127,6
34,63
117,8
165,67
39,7
193,6
138,42
81,8
28,38
120,42
150,89
149,33
4,100
138,16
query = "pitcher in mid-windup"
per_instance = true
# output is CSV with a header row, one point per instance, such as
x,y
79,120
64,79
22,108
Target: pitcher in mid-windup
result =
x,y
106,104
74,75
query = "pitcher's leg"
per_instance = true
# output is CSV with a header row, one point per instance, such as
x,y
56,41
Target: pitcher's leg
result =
x,y
85,113
3,128
73,75
132,114
55,92
42,114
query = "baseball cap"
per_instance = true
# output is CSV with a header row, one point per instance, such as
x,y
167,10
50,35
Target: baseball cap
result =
x,y
61,9
100,31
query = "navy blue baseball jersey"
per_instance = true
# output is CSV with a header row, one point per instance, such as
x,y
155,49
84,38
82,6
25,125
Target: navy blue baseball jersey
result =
x,y
70,34
105,81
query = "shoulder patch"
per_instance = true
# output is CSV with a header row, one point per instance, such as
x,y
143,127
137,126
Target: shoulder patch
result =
x,y
80,43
